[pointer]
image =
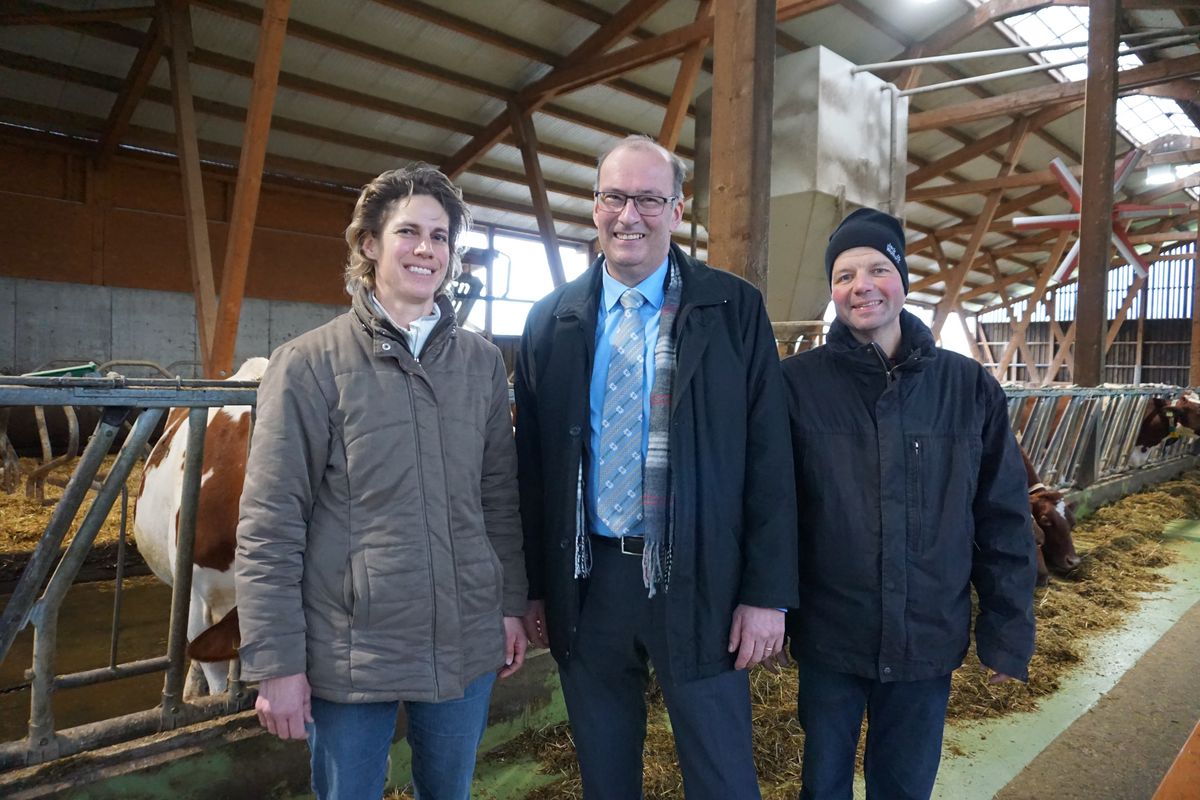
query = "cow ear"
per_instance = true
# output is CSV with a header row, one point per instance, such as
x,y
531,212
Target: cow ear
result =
x,y
219,643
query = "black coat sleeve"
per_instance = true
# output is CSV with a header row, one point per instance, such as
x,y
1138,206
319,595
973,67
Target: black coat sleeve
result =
x,y
1004,569
529,458
769,575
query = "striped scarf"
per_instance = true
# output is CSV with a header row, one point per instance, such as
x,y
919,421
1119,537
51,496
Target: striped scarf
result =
x,y
656,473
657,512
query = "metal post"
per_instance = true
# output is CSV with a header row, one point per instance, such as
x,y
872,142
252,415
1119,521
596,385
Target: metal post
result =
x,y
44,615
181,591
16,612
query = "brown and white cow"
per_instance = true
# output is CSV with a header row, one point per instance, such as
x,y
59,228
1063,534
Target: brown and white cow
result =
x,y
1053,521
1163,419
156,517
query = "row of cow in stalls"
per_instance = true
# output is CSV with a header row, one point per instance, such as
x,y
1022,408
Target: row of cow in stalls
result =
x,y
213,624
1053,517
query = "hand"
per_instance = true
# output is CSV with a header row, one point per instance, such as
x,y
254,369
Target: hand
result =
x,y
514,646
777,660
756,633
284,705
535,624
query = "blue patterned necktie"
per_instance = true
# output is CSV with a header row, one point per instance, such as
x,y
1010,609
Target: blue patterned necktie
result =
x,y
619,499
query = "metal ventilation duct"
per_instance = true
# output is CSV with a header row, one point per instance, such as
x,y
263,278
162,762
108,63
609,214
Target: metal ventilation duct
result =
x,y
839,143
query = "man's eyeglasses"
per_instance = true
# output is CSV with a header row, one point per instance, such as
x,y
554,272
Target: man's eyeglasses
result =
x,y
648,205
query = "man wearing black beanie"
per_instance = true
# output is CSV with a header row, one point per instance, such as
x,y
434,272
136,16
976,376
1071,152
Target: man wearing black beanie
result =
x,y
911,490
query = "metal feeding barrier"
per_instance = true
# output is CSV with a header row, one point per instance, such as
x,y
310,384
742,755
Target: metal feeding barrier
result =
x,y
1053,425
117,397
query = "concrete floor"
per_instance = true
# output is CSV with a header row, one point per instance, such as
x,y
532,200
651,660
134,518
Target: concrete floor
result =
x,y
1118,721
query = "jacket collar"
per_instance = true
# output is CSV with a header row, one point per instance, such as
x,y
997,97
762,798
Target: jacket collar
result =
x,y
917,345
580,297
385,336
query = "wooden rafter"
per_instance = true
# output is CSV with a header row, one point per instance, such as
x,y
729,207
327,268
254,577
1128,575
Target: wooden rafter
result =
x,y
954,280
1039,291
685,85
176,18
610,33
491,36
996,139
1021,180
1028,99
51,16
131,92
598,69
249,183
522,125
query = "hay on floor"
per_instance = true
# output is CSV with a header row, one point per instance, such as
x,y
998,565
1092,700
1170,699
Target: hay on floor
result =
x,y
1121,550
23,519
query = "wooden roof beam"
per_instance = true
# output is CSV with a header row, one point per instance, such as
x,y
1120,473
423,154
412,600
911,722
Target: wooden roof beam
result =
x,y
988,143
490,36
610,33
1129,80
49,15
685,86
179,34
522,126
249,184
131,93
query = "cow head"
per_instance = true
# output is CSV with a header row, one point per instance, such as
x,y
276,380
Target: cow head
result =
x,y
1056,517
1163,420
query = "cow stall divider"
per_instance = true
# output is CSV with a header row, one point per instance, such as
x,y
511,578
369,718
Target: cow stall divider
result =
x,y
1057,426
117,397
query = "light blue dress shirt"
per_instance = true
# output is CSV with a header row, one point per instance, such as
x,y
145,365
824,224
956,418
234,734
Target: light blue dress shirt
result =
x,y
606,325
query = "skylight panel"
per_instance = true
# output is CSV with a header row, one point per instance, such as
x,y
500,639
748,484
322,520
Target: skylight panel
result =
x,y
1141,119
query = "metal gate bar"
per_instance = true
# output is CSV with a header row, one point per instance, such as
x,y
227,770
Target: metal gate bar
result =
x,y
117,395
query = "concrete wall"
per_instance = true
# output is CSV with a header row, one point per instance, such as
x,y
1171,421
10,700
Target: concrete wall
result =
x,y
44,323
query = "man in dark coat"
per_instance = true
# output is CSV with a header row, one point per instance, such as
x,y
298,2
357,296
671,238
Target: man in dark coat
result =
x,y
656,489
912,491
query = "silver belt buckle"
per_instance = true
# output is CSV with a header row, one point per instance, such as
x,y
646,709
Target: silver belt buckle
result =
x,y
630,552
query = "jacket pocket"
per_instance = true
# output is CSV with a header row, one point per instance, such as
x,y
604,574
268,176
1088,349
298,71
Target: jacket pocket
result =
x,y
356,592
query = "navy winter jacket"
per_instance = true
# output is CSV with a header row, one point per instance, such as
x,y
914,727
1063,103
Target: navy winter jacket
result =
x,y
910,489
731,469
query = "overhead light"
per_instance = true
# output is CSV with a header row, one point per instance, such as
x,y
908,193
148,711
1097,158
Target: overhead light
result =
x,y
1158,174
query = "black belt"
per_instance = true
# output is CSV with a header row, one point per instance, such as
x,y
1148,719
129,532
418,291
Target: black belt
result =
x,y
629,545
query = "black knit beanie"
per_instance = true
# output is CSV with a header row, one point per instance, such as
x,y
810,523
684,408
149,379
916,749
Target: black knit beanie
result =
x,y
867,227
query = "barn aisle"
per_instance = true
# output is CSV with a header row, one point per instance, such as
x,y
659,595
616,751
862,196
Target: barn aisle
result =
x,y
1119,719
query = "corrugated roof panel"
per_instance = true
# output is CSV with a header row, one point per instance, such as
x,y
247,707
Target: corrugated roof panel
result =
x,y
532,21
35,89
615,107
553,130
392,30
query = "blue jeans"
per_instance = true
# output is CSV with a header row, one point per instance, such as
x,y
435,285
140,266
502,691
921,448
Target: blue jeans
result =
x,y
349,744
905,720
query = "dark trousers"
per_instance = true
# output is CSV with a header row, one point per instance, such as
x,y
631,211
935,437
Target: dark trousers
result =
x,y
621,632
905,720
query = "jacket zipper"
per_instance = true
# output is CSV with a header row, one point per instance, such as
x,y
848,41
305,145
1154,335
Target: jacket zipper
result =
x,y
920,497
412,404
